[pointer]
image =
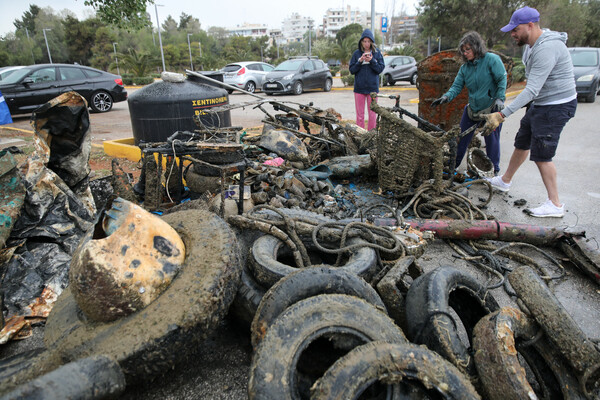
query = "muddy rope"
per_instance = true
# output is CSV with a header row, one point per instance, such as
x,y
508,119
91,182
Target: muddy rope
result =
x,y
427,202
371,229
468,253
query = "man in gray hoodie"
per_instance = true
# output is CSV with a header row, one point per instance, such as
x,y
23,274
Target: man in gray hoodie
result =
x,y
552,99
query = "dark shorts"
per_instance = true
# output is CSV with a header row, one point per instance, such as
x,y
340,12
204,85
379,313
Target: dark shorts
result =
x,y
541,127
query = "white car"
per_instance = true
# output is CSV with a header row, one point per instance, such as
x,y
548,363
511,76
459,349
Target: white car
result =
x,y
6,71
247,75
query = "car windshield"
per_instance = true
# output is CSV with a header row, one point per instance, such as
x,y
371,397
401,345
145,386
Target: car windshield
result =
x,y
16,76
289,65
584,58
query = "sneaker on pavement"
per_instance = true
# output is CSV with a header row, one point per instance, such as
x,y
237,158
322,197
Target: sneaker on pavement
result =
x,y
498,183
548,209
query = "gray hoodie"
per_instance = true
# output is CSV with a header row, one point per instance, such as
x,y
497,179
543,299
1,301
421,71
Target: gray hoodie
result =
x,y
549,72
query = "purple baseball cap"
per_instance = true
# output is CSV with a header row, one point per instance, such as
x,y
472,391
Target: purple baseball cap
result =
x,y
521,16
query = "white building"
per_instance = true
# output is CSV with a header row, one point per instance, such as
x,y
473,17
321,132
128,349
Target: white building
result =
x,y
252,30
294,27
336,18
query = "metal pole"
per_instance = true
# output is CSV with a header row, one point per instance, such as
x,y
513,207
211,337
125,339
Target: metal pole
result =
x,y
32,57
190,49
373,16
116,59
162,54
309,39
439,44
261,55
47,47
200,47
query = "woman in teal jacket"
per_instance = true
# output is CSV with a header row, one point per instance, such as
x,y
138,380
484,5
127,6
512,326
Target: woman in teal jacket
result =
x,y
484,75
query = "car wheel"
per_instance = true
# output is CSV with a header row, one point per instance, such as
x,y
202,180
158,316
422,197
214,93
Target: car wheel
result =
x,y
298,89
389,81
250,87
592,96
328,85
413,79
229,91
101,102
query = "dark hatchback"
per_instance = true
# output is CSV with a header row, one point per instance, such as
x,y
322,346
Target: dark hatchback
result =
x,y
586,67
296,74
30,87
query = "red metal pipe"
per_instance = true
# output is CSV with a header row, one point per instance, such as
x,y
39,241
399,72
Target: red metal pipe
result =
x,y
491,230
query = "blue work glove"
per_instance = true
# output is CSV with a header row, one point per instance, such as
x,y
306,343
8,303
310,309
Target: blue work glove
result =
x,y
440,101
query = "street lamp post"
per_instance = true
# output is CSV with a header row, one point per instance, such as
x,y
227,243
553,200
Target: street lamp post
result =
x,y
162,54
116,59
29,40
190,49
47,47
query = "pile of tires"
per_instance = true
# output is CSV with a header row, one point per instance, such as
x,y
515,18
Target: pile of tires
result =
x,y
360,331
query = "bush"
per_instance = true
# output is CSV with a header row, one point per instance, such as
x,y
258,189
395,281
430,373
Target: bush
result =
x,y
348,80
155,75
138,80
126,75
334,70
518,71
344,72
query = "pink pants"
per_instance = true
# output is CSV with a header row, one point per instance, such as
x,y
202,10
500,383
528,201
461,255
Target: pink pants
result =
x,y
359,103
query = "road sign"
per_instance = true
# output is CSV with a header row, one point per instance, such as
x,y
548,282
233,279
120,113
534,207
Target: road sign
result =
x,y
384,24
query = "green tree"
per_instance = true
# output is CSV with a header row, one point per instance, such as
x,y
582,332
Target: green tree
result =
x,y
348,30
103,51
139,64
28,19
128,14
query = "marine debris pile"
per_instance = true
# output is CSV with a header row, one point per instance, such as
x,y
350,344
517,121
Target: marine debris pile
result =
x,y
316,236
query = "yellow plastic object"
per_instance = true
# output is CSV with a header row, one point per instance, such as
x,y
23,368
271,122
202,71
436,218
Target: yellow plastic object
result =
x,y
127,265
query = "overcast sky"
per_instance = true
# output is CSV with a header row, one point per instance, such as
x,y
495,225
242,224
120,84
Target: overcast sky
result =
x,y
225,13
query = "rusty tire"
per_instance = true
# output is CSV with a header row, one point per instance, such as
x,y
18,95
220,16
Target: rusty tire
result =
x,y
429,320
247,298
559,326
498,339
306,283
392,363
277,364
150,340
268,270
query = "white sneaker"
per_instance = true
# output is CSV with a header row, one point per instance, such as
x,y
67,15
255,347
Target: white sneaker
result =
x,y
548,209
498,183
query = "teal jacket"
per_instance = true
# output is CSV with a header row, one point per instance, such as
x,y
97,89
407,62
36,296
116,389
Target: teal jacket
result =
x,y
485,79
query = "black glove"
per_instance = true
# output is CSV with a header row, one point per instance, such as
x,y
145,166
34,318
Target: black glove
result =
x,y
498,105
440,101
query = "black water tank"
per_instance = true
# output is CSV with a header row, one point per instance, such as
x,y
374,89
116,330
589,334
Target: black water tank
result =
x,y
162,108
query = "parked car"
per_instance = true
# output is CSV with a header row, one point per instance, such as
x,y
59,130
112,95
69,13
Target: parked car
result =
x,y
28,88
247,75
296,74
399,68
586,66
6,71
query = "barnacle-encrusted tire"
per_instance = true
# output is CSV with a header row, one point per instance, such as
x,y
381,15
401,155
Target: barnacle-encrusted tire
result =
x,y
306,283
96,377
247,298
392,363
149,341
498,340
558,325
268,270
336,320
428,308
